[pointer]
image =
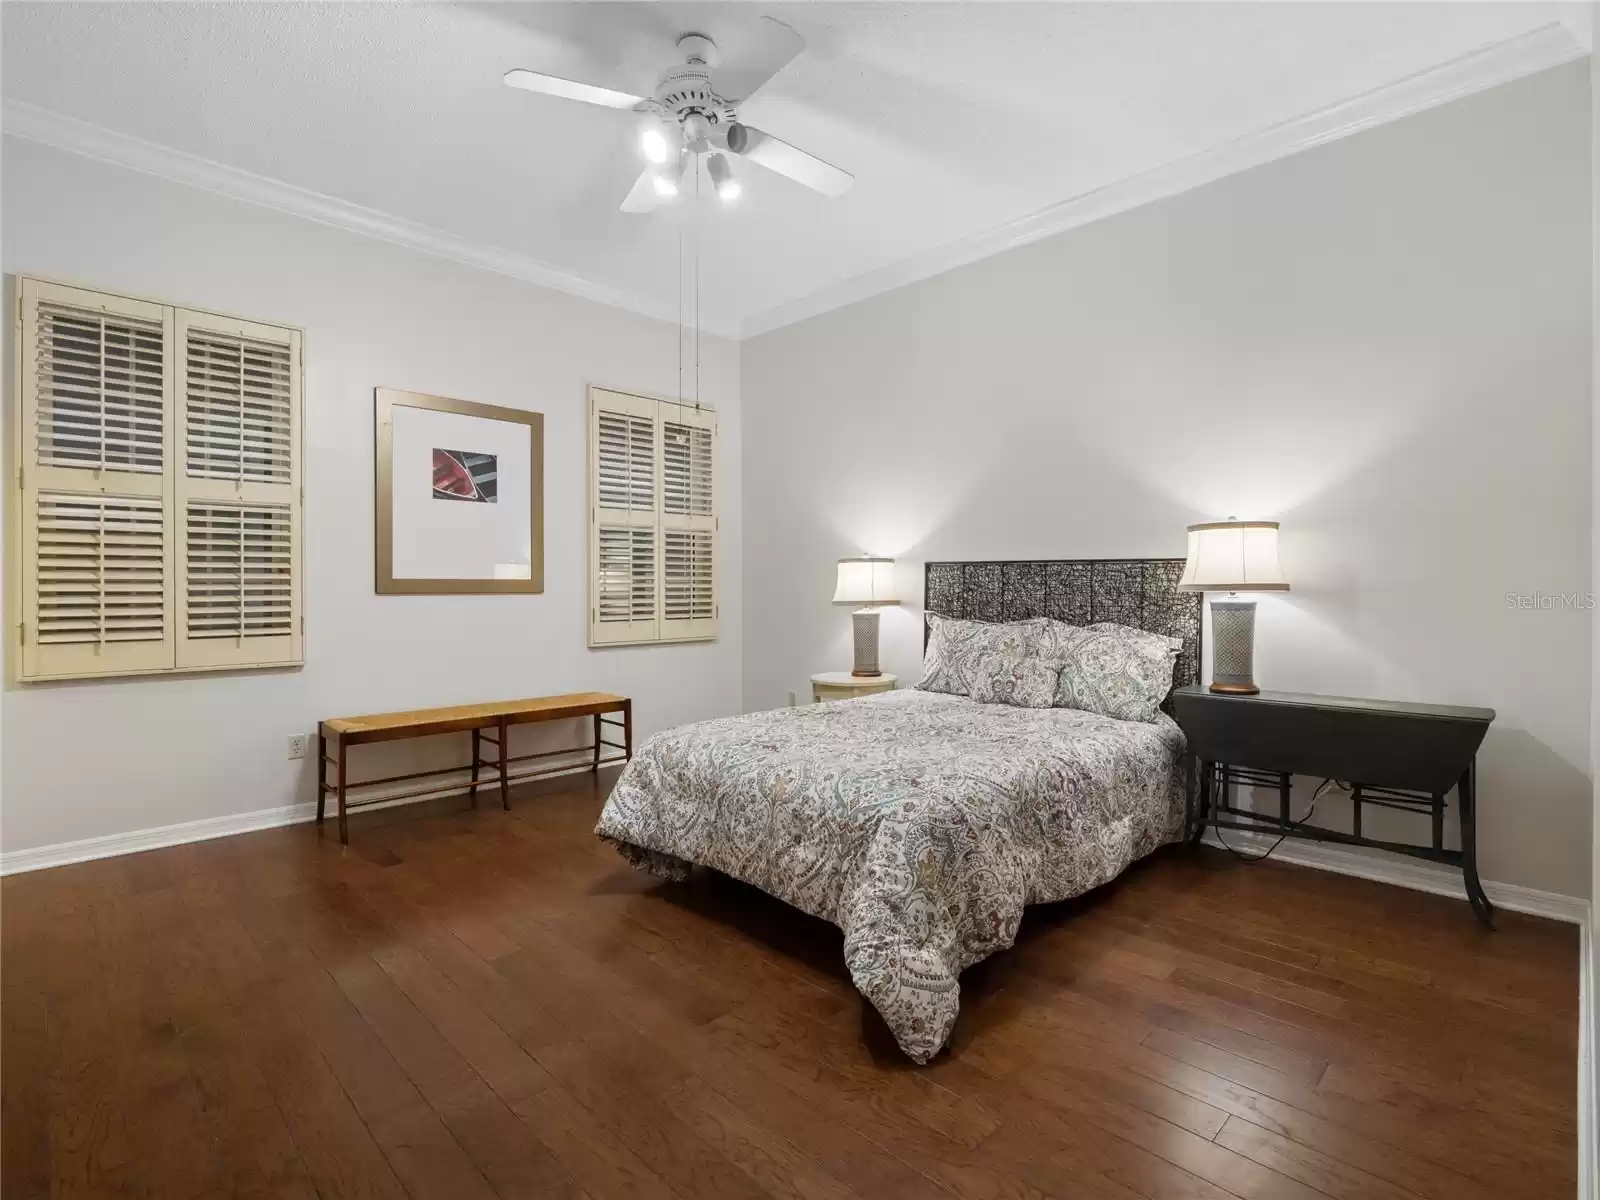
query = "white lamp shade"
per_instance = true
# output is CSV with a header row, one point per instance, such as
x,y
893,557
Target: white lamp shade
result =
x,y
1233,556
866,581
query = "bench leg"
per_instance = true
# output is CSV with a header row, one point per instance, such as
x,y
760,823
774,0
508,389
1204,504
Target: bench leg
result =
x,y
627,729
344,826
477,750
322,773
505,781
598,727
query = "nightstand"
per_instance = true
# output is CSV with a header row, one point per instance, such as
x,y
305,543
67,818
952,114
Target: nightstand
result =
x,y
1393,754
841,685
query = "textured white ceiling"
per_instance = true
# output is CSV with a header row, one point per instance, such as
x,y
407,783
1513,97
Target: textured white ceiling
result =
x,y
955,118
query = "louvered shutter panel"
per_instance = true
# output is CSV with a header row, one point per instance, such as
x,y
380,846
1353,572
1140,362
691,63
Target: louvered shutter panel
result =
x,y
688,437
96,559
237,503
624,557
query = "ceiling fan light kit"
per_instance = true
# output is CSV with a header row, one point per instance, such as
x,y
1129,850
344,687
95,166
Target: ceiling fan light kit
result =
x,y
723,178
689,113
654,144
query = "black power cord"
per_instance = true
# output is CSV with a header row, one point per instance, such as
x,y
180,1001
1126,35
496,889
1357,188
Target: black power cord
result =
x,y
1293,825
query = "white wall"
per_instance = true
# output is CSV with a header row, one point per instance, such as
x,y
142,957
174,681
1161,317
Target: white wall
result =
x,y
1589,1102
1382,342
84,760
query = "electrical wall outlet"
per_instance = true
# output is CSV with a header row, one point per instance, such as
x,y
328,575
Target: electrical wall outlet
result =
x,y
791,700
297,745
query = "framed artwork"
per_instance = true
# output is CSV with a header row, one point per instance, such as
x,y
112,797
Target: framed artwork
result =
x,y
460,496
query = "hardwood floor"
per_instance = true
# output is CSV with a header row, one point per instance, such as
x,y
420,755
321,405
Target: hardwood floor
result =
x,y
485,1004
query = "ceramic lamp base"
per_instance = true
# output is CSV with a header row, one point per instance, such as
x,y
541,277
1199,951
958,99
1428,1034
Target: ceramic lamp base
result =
x,y
1233,647
865,621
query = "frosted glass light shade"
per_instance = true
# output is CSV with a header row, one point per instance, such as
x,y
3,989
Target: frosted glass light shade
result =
x,y
866,581
1233,556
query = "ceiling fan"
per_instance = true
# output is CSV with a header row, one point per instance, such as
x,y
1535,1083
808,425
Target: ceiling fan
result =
x,y
693,114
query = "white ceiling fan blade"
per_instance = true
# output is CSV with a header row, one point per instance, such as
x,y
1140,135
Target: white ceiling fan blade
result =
x,y
754,57
642,196
568,89
778,155
645,196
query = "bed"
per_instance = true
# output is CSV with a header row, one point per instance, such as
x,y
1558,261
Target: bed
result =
x,y
922,823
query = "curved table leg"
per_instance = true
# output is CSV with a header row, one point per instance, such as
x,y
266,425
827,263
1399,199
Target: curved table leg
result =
x,y
1197,825
1466,790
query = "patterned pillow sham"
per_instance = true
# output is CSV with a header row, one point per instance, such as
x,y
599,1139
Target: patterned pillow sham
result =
x,y
1052,638
955,646
1113,670
1139,635
1023,681
1055,636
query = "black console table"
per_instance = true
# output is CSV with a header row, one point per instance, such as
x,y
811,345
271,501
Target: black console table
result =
x,y
1395,755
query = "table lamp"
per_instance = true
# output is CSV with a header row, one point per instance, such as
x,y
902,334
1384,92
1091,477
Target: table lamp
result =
x,y
1233,556
868,583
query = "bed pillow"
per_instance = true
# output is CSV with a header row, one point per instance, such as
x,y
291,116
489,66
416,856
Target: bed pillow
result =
x,y
1139,635
1023,681
1113,670
1053,638
955,646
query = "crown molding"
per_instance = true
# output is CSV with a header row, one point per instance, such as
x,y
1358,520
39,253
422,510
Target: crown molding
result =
x,y
1537,50
1540,49
46,127
1579,17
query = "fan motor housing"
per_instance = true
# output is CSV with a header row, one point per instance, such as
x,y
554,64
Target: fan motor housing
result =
x,y
686,91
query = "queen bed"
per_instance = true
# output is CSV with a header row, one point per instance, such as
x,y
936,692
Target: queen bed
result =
x,y
922,822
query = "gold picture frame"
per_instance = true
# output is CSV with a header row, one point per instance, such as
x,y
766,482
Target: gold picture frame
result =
x,y
385,401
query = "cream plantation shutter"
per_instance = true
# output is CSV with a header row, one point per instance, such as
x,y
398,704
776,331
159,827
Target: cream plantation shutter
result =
x,y
624,468
652,526
237,503
688,523
96,554
158,464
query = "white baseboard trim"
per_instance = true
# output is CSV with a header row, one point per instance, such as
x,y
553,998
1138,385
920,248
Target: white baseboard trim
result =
x,y
1410,873
61,854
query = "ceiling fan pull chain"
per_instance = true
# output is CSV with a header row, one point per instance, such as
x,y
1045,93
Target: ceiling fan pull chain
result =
x,y
698,218
680,314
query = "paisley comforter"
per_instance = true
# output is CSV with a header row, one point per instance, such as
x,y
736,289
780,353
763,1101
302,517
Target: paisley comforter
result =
x,y
919,823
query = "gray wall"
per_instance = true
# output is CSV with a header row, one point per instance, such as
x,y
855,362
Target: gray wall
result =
x,y
91,759
1383,343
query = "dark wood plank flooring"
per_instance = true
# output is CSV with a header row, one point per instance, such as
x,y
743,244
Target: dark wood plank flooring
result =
x,y
481,1004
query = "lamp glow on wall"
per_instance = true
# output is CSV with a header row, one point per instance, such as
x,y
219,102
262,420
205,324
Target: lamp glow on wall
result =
x,y
867,583
1233,556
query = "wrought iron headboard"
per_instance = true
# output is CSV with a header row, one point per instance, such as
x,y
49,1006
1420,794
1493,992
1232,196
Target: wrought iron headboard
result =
x,y
1141,592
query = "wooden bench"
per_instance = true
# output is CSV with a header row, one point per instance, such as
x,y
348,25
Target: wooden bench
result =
x,y
498,716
